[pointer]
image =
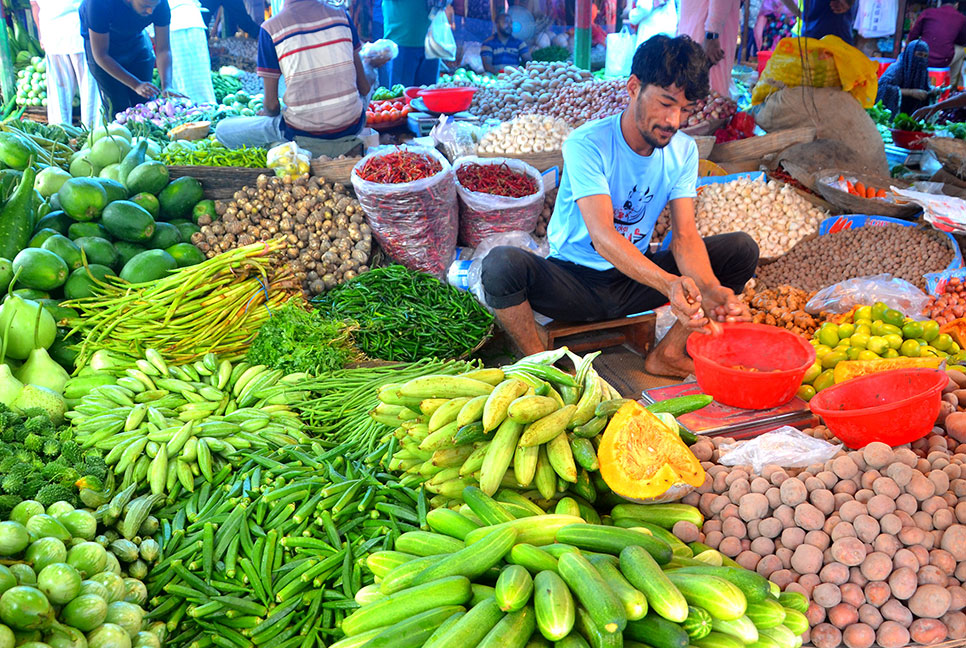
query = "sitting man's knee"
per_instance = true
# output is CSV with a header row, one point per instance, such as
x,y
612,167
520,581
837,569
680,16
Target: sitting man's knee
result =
x,y
502,270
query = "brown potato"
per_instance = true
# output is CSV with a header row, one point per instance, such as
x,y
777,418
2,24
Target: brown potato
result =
x,y
867,478
912,536
905,558
753,506
818,539
858,635
955,623
823,500
851,510
894,610
903,583
730,547
849,551
793,492
844,467
842,530
770,527
877,593
931,575
815,614
713,539
781,577
792,537
880,506
943,519
930,601
907,504
866,528
887,544
886,486
826,635
852,594
786,515
808,582
927,631
955,425
768,565
943,560
738,489
863,495
807,559
890,524
954,541
957,595
870,615
920,487
834,573
808,517
843,615
733,527
855,576
892,635
785,555
827,595
934,503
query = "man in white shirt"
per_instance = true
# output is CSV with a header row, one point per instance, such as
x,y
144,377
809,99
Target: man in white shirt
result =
x,y
190,60
59,25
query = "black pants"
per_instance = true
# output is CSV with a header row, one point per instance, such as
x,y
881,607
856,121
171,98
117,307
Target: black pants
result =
x,y
570,292
236,16
118,97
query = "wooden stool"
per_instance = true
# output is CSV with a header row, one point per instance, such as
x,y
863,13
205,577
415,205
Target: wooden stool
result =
x,y
636,331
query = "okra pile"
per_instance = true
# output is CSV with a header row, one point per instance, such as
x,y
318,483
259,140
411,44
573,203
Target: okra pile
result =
x,y
167,426
272,553
485,577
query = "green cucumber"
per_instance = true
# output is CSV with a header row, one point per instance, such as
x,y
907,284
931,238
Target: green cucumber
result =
x,y
475,559
381,563
698,623
658,632
662,515
407,603
513,588
678,548
607,408
592,591
718,640
534,559
680,405
722,599
795,621
451,523
780,635
554,606
766,614
597,638
753,585
537,531
471,433
572,641
613,540
405,574
512,631
471,628
742,629
633,600
414,631
794,600
424,543
481,593
643,572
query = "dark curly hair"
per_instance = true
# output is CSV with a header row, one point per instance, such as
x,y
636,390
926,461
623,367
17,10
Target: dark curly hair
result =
x,y
664,61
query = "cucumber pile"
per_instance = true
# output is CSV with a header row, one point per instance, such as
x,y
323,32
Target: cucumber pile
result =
x,y
528,427
492,576
164,426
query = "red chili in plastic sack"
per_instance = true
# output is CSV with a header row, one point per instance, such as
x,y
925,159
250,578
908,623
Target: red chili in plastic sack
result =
x,y
496,179
398,167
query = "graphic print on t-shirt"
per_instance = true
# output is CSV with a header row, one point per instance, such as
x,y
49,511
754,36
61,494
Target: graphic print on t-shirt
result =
x,y
631,212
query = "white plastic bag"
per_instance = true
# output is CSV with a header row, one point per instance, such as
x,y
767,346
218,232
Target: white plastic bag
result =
x,y
620,53
893,292
440,42
786,447
378,53
522,240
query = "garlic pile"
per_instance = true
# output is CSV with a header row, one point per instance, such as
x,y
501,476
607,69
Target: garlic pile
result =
x,y
771,213
525,134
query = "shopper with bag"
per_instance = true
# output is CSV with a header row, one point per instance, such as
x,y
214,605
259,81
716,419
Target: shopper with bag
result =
x,y
502,49
315,48
411,24
67,73
714,24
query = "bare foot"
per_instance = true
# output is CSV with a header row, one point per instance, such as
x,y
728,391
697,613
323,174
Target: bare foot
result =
x,y
665,364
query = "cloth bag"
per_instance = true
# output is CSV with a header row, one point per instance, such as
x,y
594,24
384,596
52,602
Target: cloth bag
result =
x,y
440,42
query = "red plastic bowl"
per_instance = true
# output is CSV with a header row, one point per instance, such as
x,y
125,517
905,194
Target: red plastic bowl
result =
x,y
912,140
765,348
412,93
448,100
893,407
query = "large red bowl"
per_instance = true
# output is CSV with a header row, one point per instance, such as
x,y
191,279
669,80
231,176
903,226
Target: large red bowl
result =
x,y
774,361
911,140
893,407
447,100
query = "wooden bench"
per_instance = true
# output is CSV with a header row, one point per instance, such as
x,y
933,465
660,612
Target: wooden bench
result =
x,y
637,332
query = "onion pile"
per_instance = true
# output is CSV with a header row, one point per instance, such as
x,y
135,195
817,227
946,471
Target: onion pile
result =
x,y
583,102
521,90
526,134
714,106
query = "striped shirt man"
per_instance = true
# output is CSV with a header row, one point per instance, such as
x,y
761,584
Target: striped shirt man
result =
x,y
314,47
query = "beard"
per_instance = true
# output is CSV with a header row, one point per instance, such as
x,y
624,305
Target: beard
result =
x,y
652,140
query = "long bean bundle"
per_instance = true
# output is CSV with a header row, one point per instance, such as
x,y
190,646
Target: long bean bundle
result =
x,y
404,315
340,402
214,307
273,555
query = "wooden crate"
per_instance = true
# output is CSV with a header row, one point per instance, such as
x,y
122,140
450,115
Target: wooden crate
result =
x,y
220,183
758,147
334,170
580,337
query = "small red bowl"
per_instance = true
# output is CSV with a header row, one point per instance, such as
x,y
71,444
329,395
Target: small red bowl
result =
x,y
448,100
912,140
412,93
779,359
893,407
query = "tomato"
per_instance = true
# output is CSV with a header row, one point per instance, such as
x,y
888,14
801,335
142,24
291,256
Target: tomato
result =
x,y
398,105
393,115
369,115
376,118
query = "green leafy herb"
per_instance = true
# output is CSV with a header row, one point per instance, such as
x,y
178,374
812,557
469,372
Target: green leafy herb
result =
x,y
295,339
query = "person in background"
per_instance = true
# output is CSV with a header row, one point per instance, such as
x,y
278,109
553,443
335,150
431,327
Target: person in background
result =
x,y
776,20
236,16
190,60
58,23
502,49
823,18
943,28
714,24
119,53
653,17
406,23
904,86
315,48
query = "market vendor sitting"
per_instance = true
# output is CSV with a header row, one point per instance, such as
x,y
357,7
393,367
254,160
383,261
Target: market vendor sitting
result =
x,y
619,172
315,47
502,49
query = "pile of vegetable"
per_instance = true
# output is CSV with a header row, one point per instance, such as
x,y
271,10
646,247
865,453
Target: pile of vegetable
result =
x,y
224,84
579,103
566,580
326,238
47,145
526,134
715,106
210,152
162,112
496,179
874,537
465,77
949,304
741,126
857,188
216,306
298,339
522,90
904,122
388,111
32,84
382,94
398,167
244,103
97,158
551,54
784,307
404,315
165,428
543,221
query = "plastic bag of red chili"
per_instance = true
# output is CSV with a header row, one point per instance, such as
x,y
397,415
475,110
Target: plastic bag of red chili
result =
x,y
496,195
409,197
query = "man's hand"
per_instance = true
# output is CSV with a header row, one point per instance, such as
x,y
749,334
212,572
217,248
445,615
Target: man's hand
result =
x,y
839,6
916,93
147,90
173,94
926,112
685,301
713,49
722,305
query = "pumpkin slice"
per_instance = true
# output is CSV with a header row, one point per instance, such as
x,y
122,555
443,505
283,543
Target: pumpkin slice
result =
x,y
849,369
643,460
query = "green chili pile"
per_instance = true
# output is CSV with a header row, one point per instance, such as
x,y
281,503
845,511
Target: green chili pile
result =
x,y
405,315
211,152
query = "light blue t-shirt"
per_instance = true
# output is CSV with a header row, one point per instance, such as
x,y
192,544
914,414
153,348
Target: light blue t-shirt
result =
x,y
598,160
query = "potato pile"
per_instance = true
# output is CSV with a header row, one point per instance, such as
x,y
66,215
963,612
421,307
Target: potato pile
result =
x,y
521,90
324,225
875,537
783,307
583,102
950,305
543,221
904,252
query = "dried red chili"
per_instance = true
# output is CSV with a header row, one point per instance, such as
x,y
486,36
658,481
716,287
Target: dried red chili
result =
x,y
496,179
399,167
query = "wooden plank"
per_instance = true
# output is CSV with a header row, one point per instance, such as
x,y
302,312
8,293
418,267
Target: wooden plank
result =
x,y
637,332
220,183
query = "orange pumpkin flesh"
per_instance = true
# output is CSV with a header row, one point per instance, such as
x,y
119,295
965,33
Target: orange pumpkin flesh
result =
x,y
642,460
